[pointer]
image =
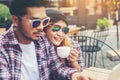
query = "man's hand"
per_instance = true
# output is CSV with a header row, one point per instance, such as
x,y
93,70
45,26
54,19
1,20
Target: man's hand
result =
x,y
80,76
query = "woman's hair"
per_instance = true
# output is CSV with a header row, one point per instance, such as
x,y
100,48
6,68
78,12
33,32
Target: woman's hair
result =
x,y
66,42
56,15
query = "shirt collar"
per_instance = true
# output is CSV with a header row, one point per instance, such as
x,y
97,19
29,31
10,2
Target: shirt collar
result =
x,y
10,35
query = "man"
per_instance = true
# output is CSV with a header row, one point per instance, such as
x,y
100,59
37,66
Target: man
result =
x,y
24,53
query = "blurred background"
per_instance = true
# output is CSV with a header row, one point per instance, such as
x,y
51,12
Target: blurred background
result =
x,y
86,15
84,12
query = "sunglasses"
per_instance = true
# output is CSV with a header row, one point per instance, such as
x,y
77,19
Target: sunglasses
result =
x,y
36,22
56,28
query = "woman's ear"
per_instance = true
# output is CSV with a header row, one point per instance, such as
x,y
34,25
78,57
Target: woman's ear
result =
x,y
15,20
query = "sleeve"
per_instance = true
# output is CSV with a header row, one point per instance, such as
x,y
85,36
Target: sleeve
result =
x,y
4,73
58,68
81,61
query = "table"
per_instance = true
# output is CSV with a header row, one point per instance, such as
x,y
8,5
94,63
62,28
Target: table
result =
x,y
97,73
74,31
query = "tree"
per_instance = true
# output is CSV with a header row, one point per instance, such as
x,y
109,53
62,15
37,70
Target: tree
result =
x,y
5,16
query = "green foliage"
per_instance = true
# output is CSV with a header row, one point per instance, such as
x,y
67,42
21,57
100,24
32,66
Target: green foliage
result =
x,y
104,22
5,16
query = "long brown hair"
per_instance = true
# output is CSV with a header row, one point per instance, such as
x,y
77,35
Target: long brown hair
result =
x,y
66,41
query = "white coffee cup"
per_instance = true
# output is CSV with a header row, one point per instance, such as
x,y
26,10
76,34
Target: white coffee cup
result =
x,y
63,51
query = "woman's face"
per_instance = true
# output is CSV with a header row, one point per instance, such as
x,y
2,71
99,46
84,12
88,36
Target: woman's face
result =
x,y
55,32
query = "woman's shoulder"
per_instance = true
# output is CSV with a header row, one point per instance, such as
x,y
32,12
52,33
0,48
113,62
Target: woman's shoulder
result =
x,y
74,42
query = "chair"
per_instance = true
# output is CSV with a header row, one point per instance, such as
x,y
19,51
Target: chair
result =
x,y
90,47
97,34
100,35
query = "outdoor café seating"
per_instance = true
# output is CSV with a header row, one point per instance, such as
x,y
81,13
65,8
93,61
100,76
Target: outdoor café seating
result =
x,y
91,48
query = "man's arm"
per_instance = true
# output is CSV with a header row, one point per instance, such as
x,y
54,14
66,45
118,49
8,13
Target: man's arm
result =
x,y
81,76
4,74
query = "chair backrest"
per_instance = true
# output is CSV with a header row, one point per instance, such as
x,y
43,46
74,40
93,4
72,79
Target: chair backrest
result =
x,y
90,47
100,35
92,39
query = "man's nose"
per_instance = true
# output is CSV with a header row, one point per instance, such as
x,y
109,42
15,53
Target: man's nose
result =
x,y
40,27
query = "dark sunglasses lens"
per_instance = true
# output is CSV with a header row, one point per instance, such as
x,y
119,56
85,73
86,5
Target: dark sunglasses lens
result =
x,y
56,28
65,30
45,22
36,23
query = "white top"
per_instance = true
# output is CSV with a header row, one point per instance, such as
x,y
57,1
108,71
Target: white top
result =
x,y
29,62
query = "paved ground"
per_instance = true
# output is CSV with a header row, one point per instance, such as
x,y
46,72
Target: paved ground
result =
x,y
112,41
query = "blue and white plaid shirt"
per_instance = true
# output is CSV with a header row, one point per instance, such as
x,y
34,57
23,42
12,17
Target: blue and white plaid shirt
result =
x,y
11,56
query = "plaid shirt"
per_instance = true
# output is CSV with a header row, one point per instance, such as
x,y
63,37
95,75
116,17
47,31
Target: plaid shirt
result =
x,y
80,58
11,56
68,63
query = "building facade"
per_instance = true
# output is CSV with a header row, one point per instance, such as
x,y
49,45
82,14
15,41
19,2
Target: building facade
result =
x,y
80,12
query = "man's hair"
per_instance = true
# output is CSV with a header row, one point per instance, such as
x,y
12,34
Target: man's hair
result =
x,y
18,7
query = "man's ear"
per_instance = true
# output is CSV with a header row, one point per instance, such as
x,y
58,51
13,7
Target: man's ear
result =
x,y
15,20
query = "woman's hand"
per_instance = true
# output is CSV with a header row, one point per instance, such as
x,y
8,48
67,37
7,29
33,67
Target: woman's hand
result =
x,y
73,57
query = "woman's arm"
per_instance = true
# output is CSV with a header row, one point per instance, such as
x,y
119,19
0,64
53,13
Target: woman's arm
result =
x,y
77,58
73,58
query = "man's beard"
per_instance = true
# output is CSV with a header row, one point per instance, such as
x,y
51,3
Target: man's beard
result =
x,y
25,36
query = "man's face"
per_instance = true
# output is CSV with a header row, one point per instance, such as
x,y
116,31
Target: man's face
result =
x,y
31,25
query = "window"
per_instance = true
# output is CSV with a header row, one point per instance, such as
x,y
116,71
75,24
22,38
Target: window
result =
x,y
94,7
66,6
62,3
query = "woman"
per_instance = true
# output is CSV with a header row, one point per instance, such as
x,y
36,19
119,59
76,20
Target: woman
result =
x,y
56,32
